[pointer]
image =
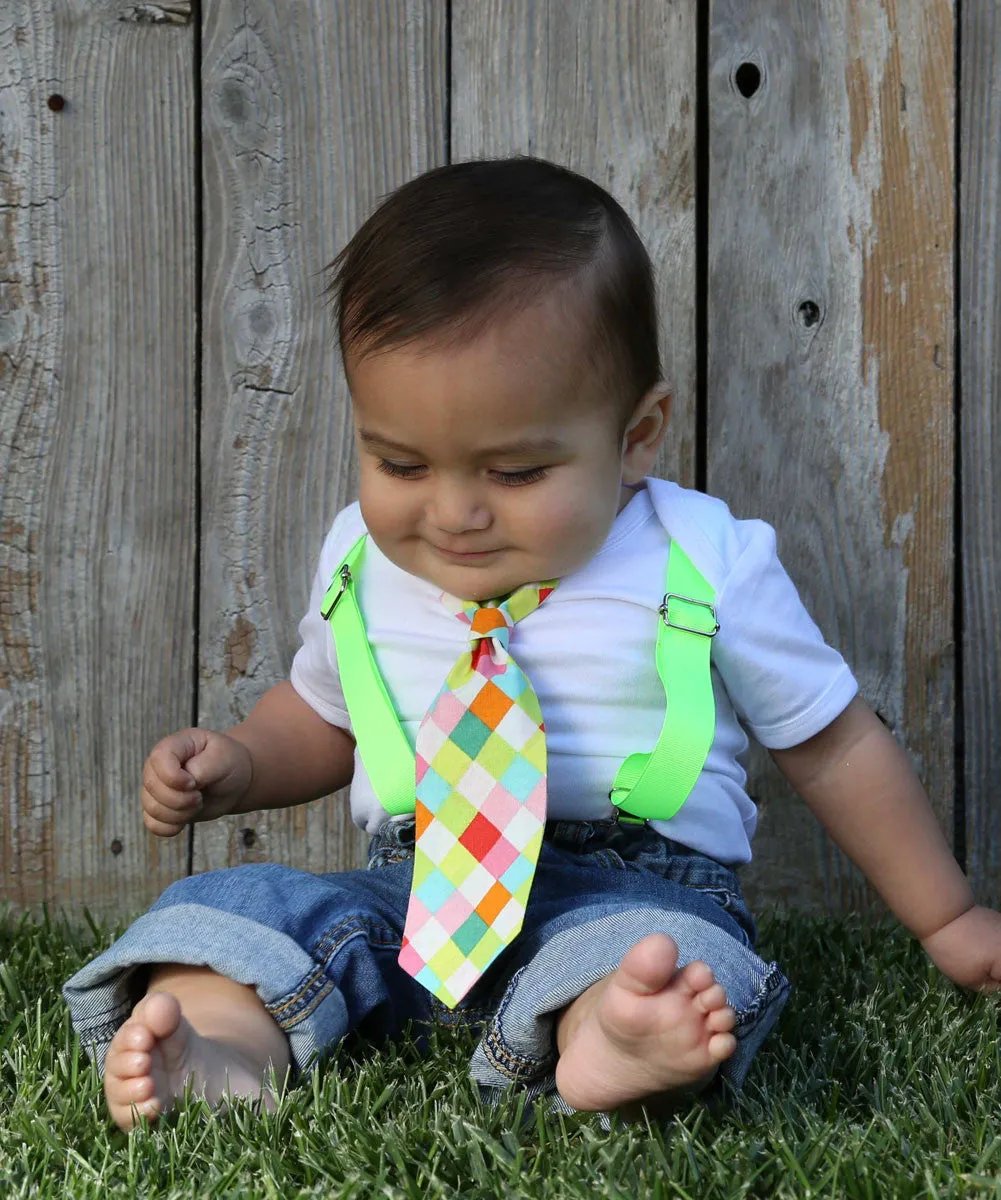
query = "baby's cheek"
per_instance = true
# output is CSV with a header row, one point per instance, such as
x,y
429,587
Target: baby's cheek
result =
x,y
385,516
572,529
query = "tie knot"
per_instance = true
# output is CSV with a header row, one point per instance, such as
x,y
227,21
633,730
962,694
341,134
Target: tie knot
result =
x,y
491,622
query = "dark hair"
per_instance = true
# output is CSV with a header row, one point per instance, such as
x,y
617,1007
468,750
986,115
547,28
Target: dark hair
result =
x,y
447,251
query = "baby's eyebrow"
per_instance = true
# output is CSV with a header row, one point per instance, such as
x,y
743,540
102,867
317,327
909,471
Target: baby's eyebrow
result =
x,y
540,445
373,439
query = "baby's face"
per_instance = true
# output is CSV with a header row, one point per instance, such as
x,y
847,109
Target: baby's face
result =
x,y
489,465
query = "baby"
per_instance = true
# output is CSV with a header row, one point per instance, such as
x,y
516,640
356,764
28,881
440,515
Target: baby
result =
x,y
499,335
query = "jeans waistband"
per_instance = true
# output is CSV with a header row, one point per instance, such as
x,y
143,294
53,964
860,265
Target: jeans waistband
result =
x,y
399,833
603,844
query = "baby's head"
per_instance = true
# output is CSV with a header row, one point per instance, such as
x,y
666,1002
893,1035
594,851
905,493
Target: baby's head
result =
x,y
498,328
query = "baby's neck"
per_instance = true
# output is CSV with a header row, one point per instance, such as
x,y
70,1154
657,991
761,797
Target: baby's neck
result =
x,y
626,493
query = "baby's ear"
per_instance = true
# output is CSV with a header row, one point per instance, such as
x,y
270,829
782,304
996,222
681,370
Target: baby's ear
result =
x,y
645,432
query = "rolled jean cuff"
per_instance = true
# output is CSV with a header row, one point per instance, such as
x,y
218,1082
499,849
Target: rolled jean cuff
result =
x,y
519,1045
312,1012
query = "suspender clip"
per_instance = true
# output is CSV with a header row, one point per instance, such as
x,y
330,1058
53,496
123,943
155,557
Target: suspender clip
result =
x,y
665,614
331,602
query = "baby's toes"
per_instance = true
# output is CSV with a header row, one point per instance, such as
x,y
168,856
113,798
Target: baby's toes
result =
x,y
160,1012
721,1046
696,976
722,1019
132,1091
124,1065
711,998
127,1093
129,1064
133,1036
649,966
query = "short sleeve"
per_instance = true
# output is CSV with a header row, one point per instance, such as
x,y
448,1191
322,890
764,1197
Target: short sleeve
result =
x,y
314,673
786,683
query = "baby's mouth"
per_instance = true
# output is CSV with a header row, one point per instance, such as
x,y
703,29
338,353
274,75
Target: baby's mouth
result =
x,y
463,555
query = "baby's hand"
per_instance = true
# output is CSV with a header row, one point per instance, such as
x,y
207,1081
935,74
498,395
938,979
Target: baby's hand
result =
x,y
968,949
193,775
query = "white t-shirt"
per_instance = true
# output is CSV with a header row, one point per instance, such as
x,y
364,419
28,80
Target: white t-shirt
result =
x,y
589,652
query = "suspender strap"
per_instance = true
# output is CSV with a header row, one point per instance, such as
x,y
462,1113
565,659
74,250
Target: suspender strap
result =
x,y
382,743
656,785
650,786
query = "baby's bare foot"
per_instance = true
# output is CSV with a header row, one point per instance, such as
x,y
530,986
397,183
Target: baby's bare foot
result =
x,y
156,1053
643,1031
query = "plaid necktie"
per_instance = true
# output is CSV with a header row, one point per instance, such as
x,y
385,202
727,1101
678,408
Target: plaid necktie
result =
x,y
480,807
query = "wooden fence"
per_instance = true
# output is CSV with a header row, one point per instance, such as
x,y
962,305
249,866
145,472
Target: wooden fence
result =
x,y
818,182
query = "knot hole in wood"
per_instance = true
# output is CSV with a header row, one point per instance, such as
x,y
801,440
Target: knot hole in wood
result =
x,y
809,313
747,79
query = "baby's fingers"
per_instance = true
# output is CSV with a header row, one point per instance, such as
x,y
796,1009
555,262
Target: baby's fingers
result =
x,y
165,765
165,829
169,808
166,810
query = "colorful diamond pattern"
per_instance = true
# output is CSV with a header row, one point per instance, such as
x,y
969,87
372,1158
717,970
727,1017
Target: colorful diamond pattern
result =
x,y
481,805
480,836
470,734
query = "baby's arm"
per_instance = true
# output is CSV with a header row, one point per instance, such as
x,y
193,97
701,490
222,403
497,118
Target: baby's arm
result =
x,y
297,755
858,781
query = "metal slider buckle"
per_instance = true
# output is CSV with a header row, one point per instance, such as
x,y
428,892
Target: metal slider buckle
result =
x,y
663,610
619,816
345,580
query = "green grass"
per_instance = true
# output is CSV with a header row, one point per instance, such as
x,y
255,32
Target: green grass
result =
x,y
882,1080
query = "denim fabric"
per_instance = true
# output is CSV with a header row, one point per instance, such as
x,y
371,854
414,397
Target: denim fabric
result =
x,y
321,950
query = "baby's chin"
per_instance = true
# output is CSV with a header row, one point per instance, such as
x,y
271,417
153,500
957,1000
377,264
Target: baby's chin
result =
x,y
489,579
472,583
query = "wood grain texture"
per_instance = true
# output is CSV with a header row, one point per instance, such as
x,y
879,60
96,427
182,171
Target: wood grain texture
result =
x,y
980,425
310,116
607,90
97,237
831,362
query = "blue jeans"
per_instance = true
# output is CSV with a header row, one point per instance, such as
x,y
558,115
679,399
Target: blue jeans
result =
x,y
321,950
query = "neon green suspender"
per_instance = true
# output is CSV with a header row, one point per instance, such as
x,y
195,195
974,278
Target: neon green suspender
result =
x,y
647,786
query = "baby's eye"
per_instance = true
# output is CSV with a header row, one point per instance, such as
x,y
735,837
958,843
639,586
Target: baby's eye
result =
x,y
517,478
399,470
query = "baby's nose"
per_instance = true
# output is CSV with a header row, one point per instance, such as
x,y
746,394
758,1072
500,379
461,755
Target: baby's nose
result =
x,y
458,510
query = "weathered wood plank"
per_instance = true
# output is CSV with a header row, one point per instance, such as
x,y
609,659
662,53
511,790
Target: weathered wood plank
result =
x,y
831,362
97,433
310,116
607,90
980,425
